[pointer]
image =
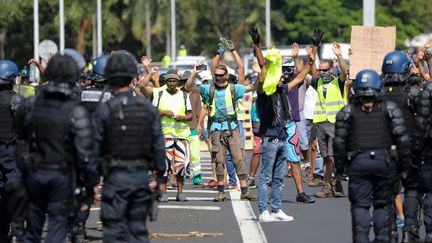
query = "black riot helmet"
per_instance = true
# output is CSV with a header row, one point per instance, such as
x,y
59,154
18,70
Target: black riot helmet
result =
x,y
62,69
121,68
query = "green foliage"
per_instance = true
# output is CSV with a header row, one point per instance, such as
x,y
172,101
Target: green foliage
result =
x,y
200,23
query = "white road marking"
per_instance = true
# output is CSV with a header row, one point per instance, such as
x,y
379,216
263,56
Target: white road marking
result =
x,y
193,191
205,208
250,228
206,172
206,177
193,198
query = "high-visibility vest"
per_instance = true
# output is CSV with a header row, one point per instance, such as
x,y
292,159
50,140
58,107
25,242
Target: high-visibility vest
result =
x,y
241,110
228,102
25,90
169,125
327,108
182,52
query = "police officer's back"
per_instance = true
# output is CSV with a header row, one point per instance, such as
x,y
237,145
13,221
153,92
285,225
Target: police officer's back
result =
x,y
129,131
56,146
9,103
368,131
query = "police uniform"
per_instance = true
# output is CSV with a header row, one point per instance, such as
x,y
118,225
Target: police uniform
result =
x,y
407,98
56,147
131,143
365,142
424,115
9,103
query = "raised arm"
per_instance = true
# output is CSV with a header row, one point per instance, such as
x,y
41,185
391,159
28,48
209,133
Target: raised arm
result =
x,y
302,75
316,39
295,52
337,50
256,38
189,86
240,72
423,55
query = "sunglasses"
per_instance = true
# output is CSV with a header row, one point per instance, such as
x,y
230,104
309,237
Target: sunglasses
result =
x,y
324,70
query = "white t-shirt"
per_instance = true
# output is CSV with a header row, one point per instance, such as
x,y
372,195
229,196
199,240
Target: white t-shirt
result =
x,y
309,105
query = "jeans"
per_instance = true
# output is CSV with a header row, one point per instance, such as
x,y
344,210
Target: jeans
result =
x,y
273,167
229,163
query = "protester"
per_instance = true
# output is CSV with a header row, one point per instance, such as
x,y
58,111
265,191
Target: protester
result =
x,y
274,112
223,125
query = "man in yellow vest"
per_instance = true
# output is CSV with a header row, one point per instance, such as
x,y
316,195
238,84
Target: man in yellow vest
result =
x,y
175,110
330,100
224,132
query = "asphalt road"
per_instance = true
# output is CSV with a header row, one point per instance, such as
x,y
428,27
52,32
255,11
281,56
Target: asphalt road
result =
x,y
326,221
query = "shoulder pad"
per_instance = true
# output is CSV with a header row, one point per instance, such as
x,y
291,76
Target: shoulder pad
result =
x,y
345,113
428,87
393,109
414,91
79,112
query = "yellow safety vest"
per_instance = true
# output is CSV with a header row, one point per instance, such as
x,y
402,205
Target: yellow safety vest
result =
x,y
182,52
25,90
169,125
327,108
228,102
241,110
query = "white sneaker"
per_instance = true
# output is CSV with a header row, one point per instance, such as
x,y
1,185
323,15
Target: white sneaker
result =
x,y
281,216
266,217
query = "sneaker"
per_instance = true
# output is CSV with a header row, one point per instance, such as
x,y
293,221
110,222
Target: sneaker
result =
x,y
233,187
400,223
326,191
315,182
248,196
251,182
197,179
281,216
220,197
181,197
303,198
163,197
266,217
211,184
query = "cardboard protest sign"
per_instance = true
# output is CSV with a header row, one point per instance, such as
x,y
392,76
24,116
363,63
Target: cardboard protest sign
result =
x,y
369,45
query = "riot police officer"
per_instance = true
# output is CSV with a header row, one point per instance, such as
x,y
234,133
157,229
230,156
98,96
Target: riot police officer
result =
x,y
368,131
397,89
98,90
129,132
9,103
424,116
56,146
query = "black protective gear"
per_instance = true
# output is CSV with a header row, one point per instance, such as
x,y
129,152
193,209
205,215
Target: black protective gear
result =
x,y
399,133
62,69
255,35
121,65
9,103
91,96
128,143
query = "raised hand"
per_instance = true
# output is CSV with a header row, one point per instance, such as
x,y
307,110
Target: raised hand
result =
x,y
197,65
316,38
146,61
428,43
255,35
295,49
229,45
308,49
154,70
337,50
255,67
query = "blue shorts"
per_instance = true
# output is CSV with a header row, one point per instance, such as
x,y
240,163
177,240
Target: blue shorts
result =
x,y
293,146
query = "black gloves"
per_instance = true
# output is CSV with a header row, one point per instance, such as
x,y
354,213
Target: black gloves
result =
x,y
317,37
256,37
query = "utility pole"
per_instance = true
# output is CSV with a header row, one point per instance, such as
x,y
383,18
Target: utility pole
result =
x,y
369,12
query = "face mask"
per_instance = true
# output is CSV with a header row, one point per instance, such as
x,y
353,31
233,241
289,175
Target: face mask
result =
x,y
326,77
220,80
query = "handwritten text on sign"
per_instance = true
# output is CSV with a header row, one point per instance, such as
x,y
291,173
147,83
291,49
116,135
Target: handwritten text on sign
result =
x,y
369,45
